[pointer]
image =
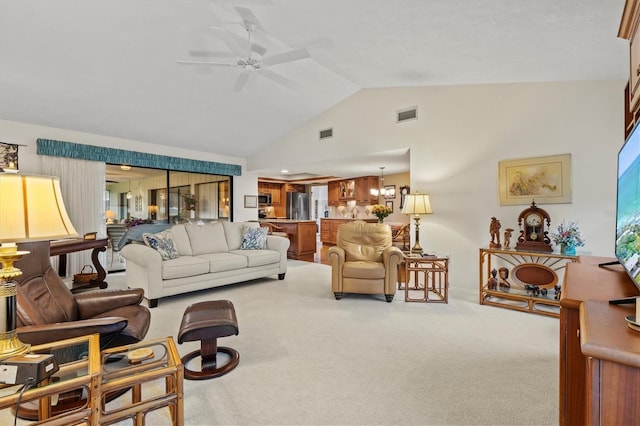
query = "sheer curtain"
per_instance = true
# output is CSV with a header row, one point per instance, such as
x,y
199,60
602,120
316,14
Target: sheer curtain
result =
x,y
83,188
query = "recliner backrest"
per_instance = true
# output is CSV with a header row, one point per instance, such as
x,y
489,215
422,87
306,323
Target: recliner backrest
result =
x,y
363,241
42,296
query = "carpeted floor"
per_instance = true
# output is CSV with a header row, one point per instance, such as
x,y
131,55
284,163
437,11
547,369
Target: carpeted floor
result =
x,y
308,359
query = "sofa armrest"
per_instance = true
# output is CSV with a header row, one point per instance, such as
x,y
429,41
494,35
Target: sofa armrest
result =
x,y
45,333
276,242
142,255
95,303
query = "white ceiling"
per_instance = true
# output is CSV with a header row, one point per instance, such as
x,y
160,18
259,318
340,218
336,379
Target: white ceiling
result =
x,y
109,66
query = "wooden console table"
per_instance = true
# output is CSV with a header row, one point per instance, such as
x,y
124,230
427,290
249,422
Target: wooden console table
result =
x,y
584,280
62,247
522,296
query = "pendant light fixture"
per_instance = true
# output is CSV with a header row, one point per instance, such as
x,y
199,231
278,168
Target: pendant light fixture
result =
x,y
380,192
129,194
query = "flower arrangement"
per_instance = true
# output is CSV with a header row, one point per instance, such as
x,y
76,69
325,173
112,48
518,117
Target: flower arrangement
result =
x,y
568,234
380,211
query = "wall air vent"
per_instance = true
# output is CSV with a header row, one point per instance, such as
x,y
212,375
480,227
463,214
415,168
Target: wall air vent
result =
x,y
326,133
407,114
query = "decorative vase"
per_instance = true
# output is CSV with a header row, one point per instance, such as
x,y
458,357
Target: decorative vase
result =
x,y
380,219
567,249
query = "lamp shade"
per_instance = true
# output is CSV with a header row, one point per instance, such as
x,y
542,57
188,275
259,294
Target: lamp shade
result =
x,y
32,209
110,214
417,204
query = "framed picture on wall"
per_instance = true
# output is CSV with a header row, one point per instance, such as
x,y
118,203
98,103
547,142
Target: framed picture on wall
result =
x,y
546,180
8,157
250,201
389,204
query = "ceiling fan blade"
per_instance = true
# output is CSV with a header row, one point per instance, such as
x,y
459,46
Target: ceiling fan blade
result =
x,y
209,54
256,48
292,55
248,17
241,81
217,64
232,42
280,79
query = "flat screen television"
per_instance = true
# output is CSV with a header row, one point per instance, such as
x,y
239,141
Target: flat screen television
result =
x,y
628,207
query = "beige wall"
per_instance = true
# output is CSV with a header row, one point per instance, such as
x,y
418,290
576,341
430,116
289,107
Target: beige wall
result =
x,y
455,144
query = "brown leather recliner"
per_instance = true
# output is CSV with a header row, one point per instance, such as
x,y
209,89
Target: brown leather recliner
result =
x,y
47,311
364,260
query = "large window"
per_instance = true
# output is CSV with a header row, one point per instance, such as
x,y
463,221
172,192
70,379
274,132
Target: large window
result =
x,y
163,195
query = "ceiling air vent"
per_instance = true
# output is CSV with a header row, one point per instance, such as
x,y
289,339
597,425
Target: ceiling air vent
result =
x,y
407,114
326,133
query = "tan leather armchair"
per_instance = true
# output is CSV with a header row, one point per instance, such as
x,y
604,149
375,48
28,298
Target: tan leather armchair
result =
x,y
364,260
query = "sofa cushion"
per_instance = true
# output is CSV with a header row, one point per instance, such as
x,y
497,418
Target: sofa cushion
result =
x,y
259,257
233,231
220,262
184,266
163,243
207,238
254,238
180,237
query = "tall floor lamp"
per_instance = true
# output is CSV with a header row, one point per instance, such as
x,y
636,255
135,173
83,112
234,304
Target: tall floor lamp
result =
x,y
31,209
417,204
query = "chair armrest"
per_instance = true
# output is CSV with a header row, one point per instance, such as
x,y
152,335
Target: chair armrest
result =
x,y
336,257
142,255
392,257
97,302
45,333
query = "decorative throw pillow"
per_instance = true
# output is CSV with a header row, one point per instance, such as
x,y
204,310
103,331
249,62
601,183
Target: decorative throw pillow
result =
x,y
163,243
254,238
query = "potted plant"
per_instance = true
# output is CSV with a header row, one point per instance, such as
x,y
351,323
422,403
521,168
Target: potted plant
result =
x,y
568,238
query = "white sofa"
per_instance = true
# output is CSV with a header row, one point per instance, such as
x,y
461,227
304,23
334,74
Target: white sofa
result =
x,y
209,255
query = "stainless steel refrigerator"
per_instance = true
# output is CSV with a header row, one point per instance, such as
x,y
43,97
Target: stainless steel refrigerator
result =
x,y
298,205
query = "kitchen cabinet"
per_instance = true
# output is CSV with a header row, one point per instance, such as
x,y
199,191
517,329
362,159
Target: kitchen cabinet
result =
x,y
333,193
272,188
347,190
629,30
583,280
364,185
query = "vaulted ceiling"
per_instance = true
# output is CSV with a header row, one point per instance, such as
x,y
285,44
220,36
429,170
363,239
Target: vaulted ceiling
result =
x,y
110,67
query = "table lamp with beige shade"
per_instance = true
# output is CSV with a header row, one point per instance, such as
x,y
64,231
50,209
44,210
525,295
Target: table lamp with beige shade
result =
x,y
31,209
110,215
416,205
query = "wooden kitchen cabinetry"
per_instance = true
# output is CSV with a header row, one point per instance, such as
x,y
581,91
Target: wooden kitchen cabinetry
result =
x,y
629,30
333,193
364,185
347,190
583,280
272,188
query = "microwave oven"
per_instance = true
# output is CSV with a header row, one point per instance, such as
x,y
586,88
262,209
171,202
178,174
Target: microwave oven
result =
x,y
264,199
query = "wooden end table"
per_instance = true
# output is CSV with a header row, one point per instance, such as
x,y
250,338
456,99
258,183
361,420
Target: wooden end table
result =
x,y
427,276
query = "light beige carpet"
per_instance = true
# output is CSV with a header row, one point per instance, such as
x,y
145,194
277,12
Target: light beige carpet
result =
x,y
308,359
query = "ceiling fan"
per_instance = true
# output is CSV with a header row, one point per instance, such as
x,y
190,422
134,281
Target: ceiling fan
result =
x,y
251,59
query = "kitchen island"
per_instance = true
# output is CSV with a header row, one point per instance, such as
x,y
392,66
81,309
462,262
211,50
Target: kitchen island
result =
x,y
301,234
329,228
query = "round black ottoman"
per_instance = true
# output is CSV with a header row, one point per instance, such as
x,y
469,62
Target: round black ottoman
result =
x,y
206,321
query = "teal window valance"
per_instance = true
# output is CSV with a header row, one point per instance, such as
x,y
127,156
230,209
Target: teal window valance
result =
x,y
133,158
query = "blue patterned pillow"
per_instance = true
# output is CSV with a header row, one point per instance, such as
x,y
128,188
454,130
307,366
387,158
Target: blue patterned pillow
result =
x,y
254,238
163,243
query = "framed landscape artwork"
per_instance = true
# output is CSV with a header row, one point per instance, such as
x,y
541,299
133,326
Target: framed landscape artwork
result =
x,y
547,180
8,157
